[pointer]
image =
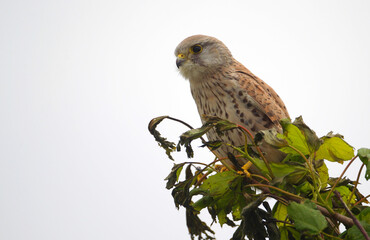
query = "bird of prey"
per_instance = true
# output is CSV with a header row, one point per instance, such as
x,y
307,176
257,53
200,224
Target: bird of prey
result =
x,y
223,87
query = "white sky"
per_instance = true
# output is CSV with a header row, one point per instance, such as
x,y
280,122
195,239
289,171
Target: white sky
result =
x,y
80,80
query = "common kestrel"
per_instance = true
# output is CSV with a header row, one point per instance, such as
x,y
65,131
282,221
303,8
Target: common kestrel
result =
x,y
223,87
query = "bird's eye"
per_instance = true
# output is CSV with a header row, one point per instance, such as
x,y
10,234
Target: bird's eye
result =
x,y
196,49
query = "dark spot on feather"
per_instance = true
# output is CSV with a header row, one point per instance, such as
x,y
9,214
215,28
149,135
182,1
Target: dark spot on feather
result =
x,y
253,129
268,124
255,112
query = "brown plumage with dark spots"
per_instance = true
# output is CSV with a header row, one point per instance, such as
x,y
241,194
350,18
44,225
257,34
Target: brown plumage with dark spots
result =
x,y
223,87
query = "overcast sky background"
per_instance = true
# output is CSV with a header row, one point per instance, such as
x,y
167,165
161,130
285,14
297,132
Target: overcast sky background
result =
x,y
80,80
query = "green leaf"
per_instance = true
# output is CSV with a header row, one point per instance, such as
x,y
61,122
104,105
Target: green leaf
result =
x,y
305,188
306,217
180,192
271,137
270,222
202,203
162,142
197,227
219,183
257,223
237,208
252,223
173,177
284,231
298,135
220,124
294,158
312,140
222,192
342,182
323,175
345,193
212,145
195,133
355,234
293,174
294,137
364,154
281,214
364,215
335,149
187,137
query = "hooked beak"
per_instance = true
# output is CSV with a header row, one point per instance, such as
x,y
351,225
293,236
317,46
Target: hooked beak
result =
x,y
180,60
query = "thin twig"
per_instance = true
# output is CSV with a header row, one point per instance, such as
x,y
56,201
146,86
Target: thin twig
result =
x,y
340,177
355,220
316,192
339,217
356,183
186,124
333,226
261,177
200,163
199,181
259,150
361,200
248,157
331,236
277,189
180,121
278,198
203,141
208,165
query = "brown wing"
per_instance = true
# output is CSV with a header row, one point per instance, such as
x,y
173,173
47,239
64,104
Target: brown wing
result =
x,y
267,99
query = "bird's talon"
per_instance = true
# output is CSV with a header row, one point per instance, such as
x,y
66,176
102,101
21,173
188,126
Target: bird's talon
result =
x,y
224,169
246,167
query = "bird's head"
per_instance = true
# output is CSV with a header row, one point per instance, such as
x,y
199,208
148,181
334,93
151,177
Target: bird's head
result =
x,y
200,55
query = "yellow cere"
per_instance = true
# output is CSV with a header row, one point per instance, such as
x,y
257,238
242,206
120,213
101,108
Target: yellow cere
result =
x,y
180,55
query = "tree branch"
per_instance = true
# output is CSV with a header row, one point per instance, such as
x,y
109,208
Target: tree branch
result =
x,y
355,220
339,217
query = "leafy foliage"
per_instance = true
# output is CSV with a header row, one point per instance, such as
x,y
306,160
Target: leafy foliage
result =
x,y
335,149
305,207
306,217
364,154
168,146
